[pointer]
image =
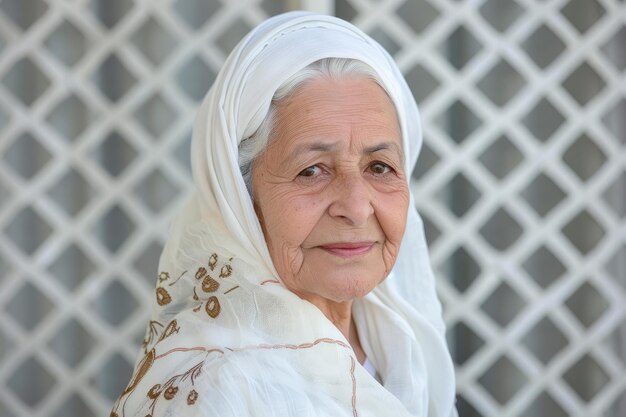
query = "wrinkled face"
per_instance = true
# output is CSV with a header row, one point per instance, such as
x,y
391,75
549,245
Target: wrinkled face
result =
x,y
330,190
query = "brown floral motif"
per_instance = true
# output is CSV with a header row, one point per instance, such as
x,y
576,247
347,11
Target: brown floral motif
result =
x,y
142,369
170,388
162,296
151,334
213,306
209,284
170,392
226,271
172,327
201,272
154,392
163,276
212,261
192,397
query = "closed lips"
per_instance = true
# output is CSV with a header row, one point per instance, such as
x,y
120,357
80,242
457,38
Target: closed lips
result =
x,y
347,249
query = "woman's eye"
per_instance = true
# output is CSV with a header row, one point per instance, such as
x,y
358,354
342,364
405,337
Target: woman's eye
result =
x,y
310,171
380,168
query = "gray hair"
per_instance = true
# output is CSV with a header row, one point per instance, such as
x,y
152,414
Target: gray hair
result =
x,y
334,68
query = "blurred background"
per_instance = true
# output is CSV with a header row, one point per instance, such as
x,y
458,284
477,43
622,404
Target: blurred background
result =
x,y
521,184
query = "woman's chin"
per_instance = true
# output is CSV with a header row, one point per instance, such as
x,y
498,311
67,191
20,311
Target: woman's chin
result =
x,y
344,289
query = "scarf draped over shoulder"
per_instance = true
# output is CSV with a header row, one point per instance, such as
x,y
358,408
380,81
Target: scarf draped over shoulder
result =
x,y
226,338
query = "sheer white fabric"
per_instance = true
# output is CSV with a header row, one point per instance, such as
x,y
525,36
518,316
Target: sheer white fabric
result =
x,y
226,338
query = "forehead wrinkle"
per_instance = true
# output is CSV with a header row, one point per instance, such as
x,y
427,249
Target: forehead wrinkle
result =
x,y
308,116
323,130
318,104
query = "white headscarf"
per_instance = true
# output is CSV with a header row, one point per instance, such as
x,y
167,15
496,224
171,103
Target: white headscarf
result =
x,y
226,337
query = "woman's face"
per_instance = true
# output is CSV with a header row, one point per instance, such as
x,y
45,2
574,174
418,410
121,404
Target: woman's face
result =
x,y
330,190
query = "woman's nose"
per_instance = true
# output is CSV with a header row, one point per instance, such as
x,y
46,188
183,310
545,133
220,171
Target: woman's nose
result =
x,y
351,200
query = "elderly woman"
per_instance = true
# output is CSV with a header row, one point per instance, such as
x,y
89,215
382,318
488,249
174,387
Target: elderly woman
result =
x,y
296,280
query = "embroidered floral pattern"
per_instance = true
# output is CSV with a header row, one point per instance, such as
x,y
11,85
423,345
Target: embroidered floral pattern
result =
x,y
170,393
154,392
210,285
213,306
226,271
153,332
162,296
192,397
151,335
212,261
171,388
201,272
206,293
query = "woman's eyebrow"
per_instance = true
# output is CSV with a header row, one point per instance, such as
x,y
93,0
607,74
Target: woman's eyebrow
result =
x,y
313,147
383,147
329,147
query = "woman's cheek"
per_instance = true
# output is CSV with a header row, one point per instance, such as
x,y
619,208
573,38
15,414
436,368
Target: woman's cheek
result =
x,y
293,217
393,217
395,207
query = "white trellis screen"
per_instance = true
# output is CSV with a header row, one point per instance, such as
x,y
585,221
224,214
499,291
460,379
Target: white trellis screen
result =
x,y
522,186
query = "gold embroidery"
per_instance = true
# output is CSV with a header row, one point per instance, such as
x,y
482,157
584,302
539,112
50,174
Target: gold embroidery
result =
x,y
151,335
234,288
213,306
171,328
162,296
209,284
153,332
154,392
201,272
170,392
170,388
212,261
142,370
226,271
192,397
177,279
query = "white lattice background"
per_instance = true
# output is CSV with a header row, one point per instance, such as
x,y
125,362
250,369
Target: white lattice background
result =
x,y
522,186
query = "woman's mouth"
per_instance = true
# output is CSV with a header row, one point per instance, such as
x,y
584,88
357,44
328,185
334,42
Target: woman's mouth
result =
x,y
348,249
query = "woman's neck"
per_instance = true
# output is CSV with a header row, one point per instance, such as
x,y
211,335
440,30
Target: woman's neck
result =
x,y
340,314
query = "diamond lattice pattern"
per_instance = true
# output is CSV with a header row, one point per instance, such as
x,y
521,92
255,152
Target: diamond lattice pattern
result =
x,y
521,184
